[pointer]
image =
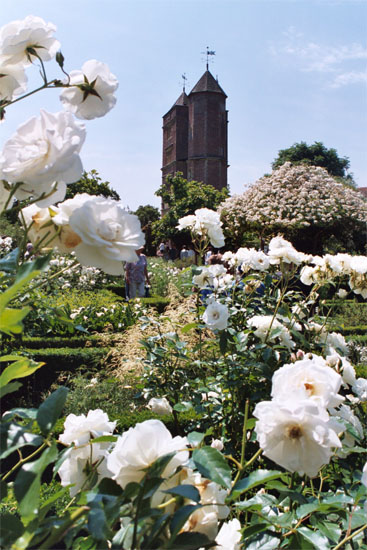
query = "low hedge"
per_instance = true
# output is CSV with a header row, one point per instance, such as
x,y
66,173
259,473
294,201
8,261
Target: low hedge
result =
x,y
158,302
66,359
40,342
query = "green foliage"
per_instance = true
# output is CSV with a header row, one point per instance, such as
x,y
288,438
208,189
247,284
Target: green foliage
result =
x,y
91,183
316,155
181,198
163,274
148,215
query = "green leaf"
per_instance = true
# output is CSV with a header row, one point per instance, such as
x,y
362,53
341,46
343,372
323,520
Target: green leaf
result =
x,y
254,529
97,524
19,369
317,539
212,465
195,438
258,477
9,263
223,342
306,509
264,542
11,320
10,529
105,439
189,541
188,327
331,530
184,406
14,437
158,466
186,491
9,388
28,482
51,409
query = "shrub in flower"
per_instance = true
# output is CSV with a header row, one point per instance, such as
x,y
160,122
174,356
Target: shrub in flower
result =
x,y
291,200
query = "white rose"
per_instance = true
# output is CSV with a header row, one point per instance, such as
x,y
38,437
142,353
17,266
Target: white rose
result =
x,y
208,219
217,444
32,32
216,237
360,389
93,99
229,536
342,293
204,278
142,445
4,195
160,405
80,429
13,81
187,222
364,475
109,234
78,462
43,152
296,435
308,379
38,222
216,316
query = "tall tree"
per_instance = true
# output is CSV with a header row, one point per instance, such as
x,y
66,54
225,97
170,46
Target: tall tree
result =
x,y
91,183
147,215
316,155
181,198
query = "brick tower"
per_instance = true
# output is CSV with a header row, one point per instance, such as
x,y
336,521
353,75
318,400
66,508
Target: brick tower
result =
x,y
195,134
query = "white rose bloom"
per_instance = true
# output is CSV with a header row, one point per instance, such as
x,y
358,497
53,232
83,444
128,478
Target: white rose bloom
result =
x,y
160,405
204,278
32,32
360,389
187,222
348,373
4,196
345,413
38,222
66,208
308,379
212,497
208,219
282,250
217,444
296,435
342,293
308,275
262,323
75,467
44,154
358,264
89,105
109,234
229,536
217,270
216,237
13,81
216,316
80,429
364,475
140,446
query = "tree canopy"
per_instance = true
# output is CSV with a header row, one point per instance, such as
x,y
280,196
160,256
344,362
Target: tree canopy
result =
x,y
147,216
181,198
304,203
91,183
316,155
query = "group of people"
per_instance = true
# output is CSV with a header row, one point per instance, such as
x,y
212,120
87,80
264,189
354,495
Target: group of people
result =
x,y
168,251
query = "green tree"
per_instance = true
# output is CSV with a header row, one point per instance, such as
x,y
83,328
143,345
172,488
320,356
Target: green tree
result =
x,y
91,183
316,155
181,198
147,215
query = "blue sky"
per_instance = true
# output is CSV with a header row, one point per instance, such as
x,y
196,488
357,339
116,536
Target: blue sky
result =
x,y
293,70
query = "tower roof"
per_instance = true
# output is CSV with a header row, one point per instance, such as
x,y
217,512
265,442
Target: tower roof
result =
x,y
207,83
183,99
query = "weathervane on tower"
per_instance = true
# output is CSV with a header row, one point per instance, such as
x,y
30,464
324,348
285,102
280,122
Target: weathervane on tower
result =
x,y
208,53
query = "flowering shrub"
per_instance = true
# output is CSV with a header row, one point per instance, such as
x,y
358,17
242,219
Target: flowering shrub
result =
x,y
294,200
270,385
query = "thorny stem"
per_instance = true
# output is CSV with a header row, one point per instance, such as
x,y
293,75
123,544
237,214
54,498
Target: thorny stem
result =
x,y
24,460
350,537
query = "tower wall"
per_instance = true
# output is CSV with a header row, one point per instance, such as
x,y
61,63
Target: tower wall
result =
x,y
175,141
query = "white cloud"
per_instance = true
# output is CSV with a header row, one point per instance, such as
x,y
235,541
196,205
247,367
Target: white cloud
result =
x,y
317,57
353,77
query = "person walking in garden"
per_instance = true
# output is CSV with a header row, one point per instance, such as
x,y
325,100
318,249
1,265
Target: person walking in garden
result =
x,y
136,274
